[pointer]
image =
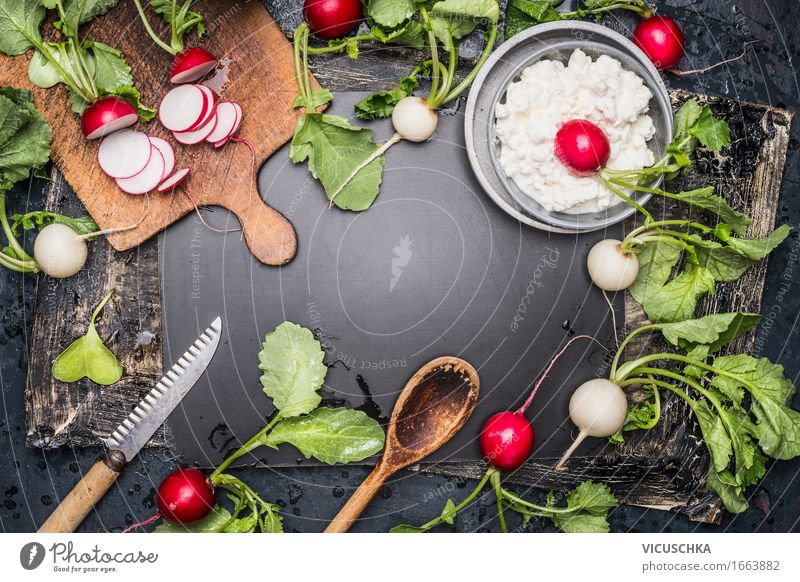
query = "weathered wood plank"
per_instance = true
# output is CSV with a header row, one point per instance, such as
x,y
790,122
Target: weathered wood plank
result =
x,y
79,414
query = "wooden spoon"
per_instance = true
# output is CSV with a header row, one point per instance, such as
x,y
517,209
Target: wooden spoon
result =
x,y
433,406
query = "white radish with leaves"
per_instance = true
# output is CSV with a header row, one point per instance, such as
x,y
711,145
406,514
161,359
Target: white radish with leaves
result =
x,y
611,267
598,408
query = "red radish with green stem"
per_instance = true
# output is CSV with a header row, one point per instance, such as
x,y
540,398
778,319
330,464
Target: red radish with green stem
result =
x,y
330,19
189,64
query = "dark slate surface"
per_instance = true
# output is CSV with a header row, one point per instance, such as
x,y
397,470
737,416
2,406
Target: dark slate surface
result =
x,y
31,482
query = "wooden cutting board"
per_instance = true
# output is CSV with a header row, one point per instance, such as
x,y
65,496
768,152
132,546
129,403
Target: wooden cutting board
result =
x,y
260,78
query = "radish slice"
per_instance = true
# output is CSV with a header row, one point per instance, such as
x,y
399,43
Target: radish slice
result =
x,y
166,150
211,104
107,115
193,137
192,64
226,121
239,116
124,153
183,107
175,179
147,179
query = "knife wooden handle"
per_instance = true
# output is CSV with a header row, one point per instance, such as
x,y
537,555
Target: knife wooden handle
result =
x,y
84,496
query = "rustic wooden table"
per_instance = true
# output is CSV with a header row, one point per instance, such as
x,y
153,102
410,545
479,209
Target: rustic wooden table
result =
x,y
313,494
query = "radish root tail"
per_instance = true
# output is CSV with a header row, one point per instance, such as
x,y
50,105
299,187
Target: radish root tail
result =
x,y
141,523
582,435
542,378
613,317
680,73
120,228
372,157
200,215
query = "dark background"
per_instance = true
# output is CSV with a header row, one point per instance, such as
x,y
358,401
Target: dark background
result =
x,y
31,482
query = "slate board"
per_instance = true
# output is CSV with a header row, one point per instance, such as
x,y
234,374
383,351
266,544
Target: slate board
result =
x,y
433,268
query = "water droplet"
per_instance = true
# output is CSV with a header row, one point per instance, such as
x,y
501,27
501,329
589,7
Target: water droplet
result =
x,y
47,500
338,492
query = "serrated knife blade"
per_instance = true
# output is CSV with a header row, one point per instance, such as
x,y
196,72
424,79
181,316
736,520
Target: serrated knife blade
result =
x,y
133,433
151,412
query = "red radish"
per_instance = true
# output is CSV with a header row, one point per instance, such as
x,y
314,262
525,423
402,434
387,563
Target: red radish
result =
x,y
166,150
332,18
191,64
198,135
147,179
507,440
227,122
124,153
183,107
661,40
185,496
107,115
210,107
171,182
582,147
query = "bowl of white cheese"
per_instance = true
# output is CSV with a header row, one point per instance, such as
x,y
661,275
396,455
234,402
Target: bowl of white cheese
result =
x,y
533,84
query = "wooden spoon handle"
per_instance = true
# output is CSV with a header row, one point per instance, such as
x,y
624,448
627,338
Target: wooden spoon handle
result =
x,y
359,500
84,496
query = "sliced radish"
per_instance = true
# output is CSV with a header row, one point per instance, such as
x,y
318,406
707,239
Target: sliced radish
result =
x,y
227,115
183,107
124,153
190,65
239,116
174,180
166,150
193,137
211,108
147,179
107,115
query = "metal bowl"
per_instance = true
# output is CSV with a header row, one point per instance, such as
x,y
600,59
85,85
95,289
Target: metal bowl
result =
x,y
554,41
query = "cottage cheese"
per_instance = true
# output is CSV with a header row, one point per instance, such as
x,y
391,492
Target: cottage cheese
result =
x,y
549,94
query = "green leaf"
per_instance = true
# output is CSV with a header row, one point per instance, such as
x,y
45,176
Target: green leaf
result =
x,y
713,331
449,512
333,149
711,132
381,104
685,118
411,35
26,136
677,300
319,98
642,416
111,70
88,357
656,261
293,372
758,248
186,20
132,96
391,13
41,218
41,71
19,25
330,435
705,199
714,435
537,10
455,19
731,496
216,521
589,503
77,12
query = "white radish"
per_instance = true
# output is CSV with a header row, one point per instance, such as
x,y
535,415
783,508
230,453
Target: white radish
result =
x,y
183,107
124,153
61,252
198,135
173,181
166,150
107,115
610,267
598,408
227,118
146,180
413,121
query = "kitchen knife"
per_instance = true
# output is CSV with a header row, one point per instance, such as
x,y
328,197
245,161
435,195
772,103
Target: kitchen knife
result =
x,y
134,432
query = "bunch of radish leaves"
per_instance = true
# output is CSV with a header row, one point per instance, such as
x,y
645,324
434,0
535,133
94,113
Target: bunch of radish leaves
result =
x,y
680,260
332,146
181,19
586,510
522,14
291,360
89,69
741,403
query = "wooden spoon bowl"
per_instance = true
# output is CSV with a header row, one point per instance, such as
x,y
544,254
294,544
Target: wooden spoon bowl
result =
x,y
433,406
